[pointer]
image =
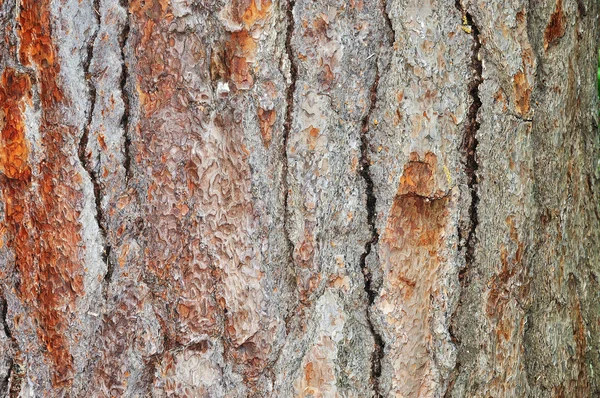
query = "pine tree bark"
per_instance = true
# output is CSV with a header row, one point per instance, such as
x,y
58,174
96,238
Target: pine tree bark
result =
x,y
311,198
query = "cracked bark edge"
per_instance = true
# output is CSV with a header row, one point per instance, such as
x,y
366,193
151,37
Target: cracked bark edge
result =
x,y
3,314
11,384
469,155
378,351
371,205
469,143
123,39
83,143
287,128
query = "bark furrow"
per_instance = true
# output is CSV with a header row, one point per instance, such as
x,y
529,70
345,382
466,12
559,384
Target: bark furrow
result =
x,y
123,40
371,204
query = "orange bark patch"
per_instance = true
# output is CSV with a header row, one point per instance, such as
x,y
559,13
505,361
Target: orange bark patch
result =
x,y
240,51
42,218
417,179
14,92
45,238
313,135
556,26
522,93
151,9
255,12
37,47
266,120
240,48
413,236
411,259
241,45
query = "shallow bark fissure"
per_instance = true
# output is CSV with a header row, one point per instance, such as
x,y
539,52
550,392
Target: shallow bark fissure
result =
x,y
123,39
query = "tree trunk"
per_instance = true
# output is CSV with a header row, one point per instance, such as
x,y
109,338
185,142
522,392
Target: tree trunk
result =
x,y
313,198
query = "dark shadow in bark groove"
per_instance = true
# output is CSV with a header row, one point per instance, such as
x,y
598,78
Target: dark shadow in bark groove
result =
x,y
371,204
378,351
8,388
469,154
123,38
287,128
3,313
83,143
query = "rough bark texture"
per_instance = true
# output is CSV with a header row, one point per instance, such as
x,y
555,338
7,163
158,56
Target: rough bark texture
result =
x,y
312,198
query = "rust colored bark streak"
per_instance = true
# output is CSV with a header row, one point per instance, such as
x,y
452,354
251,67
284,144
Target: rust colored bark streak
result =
x,y
42,225
556,26
409,251
14,92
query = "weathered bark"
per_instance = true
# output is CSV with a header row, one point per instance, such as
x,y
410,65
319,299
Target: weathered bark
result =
x,y
305,198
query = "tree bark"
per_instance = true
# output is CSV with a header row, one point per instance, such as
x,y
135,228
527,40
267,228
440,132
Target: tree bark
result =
x,y
311,198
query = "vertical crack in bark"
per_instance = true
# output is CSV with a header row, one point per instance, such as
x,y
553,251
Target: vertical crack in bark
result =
x,y
3,314
469,143
124,37
5,383
469,153
287,128
83,142
388,23
378,350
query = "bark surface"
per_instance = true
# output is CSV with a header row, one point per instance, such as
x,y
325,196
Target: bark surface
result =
x,y
311,198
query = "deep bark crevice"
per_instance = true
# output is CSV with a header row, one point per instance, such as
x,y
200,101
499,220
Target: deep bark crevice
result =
x,y
388,23
3,314
287,128
5,384
371,207
378,351
469,143
469,158
123,38
83,142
